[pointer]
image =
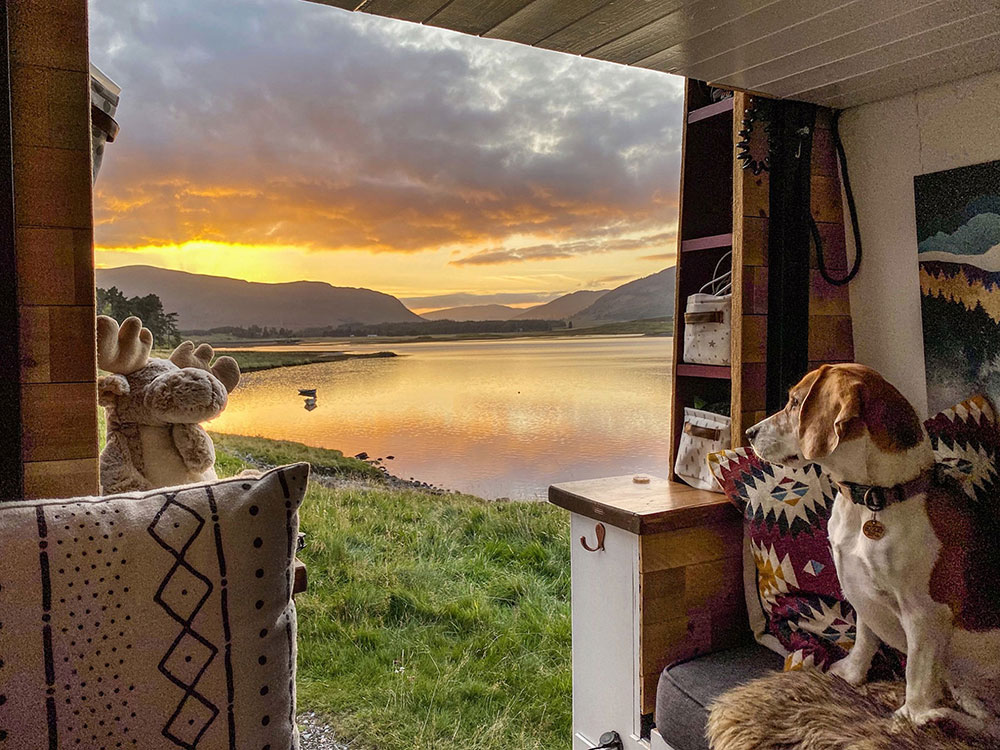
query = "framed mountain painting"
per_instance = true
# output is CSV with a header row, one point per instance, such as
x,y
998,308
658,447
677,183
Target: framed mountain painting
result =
x,y
958,248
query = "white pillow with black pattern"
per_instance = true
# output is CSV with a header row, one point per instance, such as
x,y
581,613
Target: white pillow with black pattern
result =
x,y
152,620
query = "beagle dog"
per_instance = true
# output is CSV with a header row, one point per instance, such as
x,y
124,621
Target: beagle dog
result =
x,y
916,557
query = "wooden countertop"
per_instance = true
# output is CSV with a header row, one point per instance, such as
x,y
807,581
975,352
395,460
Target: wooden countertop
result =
x,y
650,508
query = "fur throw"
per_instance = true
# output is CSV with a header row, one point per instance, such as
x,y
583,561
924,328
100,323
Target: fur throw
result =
x,y
154,406
809,710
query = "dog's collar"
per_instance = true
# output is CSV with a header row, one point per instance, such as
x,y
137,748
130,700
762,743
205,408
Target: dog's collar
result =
x,y
876,498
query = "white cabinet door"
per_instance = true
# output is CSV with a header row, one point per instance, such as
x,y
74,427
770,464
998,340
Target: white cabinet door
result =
x,y
605,634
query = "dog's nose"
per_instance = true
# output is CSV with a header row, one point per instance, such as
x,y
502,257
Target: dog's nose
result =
x,y
750,432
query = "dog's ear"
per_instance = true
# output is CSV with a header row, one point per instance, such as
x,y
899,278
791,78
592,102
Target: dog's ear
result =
x,y
829,412
891,420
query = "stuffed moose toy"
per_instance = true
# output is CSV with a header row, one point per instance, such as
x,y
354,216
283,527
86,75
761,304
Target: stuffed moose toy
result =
x,y
154,407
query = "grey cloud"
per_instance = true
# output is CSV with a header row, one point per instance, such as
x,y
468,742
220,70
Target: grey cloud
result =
x,y
552,251
295,123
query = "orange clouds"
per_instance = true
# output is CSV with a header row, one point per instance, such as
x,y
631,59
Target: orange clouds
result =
x,y
298,125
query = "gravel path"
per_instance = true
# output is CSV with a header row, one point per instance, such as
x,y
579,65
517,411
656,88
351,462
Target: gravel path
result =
x,y
314,734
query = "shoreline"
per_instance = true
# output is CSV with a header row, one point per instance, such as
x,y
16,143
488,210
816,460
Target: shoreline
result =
x,y
330,467
258,361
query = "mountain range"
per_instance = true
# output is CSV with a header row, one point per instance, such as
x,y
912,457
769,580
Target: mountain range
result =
x,y
649,297
472,312
561,308
203,302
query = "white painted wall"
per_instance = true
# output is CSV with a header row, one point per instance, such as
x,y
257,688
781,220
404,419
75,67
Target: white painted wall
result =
x,y
887,144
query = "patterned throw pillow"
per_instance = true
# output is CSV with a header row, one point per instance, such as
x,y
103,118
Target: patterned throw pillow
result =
x,y
793,596
966,439
157,620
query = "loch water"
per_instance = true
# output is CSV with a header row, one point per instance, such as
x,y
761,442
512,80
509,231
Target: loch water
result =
x,y
494,418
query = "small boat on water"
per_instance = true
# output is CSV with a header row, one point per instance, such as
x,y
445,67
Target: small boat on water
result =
x,y
308,392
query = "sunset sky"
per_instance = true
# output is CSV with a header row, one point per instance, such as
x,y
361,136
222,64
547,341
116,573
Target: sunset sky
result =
x,y
277,140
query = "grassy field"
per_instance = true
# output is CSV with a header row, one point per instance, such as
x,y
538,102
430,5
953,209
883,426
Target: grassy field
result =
x,y
254,361
431,621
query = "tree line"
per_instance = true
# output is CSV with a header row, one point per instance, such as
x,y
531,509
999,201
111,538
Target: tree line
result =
x,y
148,309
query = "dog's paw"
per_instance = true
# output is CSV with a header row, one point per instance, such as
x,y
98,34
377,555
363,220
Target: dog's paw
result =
x,y
923,716
968,702
849,672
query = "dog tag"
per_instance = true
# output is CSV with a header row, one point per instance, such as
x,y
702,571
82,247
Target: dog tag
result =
x,y
874,529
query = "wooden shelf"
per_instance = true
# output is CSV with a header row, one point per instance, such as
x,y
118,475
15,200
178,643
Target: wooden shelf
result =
x,y
711,110
651,508
720,372
707,243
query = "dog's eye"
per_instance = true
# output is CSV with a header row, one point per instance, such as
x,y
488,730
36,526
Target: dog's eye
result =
x,y
793,402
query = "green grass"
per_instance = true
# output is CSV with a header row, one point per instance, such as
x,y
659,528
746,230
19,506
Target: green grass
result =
x,y
233,453
255,361
436,621
431,621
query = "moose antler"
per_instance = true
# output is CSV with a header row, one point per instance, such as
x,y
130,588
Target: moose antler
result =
x,y
124,349
225,368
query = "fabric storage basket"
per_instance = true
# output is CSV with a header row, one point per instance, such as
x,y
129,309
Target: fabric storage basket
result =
x,y
704,433
707,317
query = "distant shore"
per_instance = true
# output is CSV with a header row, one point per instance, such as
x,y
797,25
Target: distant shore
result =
x,y
224,342
255,361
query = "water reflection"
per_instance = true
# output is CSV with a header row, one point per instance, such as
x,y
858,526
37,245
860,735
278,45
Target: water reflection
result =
x,y
495,418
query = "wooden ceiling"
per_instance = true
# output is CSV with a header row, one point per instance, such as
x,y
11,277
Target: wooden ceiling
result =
x,y
838,53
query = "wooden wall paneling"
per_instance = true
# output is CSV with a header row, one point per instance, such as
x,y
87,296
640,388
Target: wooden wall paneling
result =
x,y
873,64
609,22
753,376
830,338
830,330
754,236
691,597
857,52
60,422
476,16
665,32
55,266
751,208
345,4
11,474
50,35
542,18
53,244
825,199
962,61
833,33
676,418
62,478
742,295
407,10
704,55
825,298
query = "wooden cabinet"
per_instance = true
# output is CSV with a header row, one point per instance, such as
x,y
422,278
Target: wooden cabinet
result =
x,y
666,584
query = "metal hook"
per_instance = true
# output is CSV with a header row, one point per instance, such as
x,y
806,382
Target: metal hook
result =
x,y
802,133
599,531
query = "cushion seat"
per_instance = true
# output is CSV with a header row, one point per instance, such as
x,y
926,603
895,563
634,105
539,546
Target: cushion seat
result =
x,y
688,688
